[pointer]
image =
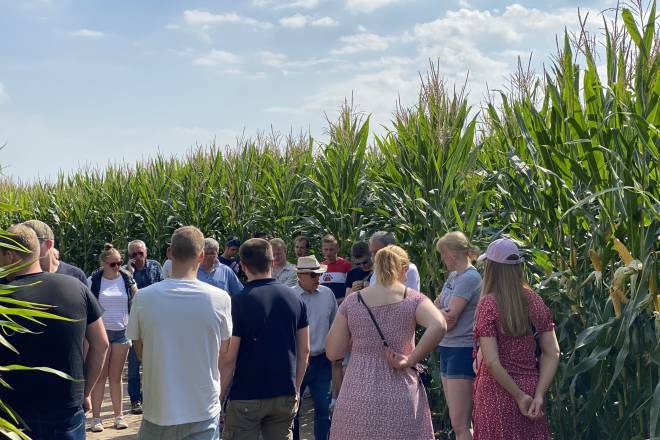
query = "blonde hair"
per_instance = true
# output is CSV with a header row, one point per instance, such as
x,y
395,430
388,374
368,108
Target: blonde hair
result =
x,y
330,239
456,241
108,250
187,243
388,264
505,282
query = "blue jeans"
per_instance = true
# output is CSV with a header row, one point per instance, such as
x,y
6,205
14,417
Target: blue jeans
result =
x,y
134,384
206,430
317,377
60,424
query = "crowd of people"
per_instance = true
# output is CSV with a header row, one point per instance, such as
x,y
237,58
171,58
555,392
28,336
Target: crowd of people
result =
x,y
227,344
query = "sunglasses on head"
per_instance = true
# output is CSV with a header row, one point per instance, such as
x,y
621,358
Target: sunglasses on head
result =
x,y
115,264
135,254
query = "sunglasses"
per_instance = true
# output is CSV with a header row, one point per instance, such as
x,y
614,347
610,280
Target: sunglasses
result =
x,y
360,263
114,264
135,254
313,274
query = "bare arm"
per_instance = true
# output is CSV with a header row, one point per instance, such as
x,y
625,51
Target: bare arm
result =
x,y
227,364
429,317
302,355
336,344
453,311
98,347
548,364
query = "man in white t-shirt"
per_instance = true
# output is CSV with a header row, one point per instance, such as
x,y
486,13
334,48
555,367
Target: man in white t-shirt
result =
x,y
179,327
379,240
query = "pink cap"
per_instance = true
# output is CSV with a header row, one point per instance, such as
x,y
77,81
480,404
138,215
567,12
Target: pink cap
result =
x,y
502,250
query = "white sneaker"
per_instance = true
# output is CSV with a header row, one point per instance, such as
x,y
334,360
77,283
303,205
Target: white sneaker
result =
x,y
96,425
120,423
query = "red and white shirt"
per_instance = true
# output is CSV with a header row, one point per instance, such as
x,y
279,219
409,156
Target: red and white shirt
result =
x,y
335,277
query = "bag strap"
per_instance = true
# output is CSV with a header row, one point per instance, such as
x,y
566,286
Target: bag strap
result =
x,y
373,319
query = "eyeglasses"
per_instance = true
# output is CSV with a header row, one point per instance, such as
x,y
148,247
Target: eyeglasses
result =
x,y
115,264
135,254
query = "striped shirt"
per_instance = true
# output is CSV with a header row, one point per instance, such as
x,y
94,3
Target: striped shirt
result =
x,y
114,300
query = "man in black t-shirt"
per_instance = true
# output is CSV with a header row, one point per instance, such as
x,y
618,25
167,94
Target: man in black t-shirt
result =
x,y
268,352
358,277
49,404
49,256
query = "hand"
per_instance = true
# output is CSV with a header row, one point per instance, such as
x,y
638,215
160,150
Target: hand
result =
x,y
524,402
451,320
396,360
357,285
87,404
131,265
535,410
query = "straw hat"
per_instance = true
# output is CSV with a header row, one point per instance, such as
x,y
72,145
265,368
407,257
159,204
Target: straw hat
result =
x,y
310,264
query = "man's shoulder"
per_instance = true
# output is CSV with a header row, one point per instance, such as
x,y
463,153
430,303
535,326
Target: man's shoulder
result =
x,y
153,263
324,290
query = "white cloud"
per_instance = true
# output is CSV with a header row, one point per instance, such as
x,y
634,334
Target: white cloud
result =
x,y
294,22
196,17
87,33
367,5
304,4
362,42
273,59
324,22
3,94
216,58
298,21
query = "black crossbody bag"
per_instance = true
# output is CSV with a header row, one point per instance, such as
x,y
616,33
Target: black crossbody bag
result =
x,y
421,370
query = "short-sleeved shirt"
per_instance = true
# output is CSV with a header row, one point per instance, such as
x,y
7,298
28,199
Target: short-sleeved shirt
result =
x,y
113,297
466,285
151,273
517,353
181,324
321,310
356,274
335,277
412,278
58,344
287,276
71,270
222,277
267,317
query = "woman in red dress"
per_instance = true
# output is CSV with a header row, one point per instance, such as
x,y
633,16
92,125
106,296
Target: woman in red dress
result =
x,y
509,388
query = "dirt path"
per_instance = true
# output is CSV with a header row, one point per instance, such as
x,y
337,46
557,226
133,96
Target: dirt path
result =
x,y
306,421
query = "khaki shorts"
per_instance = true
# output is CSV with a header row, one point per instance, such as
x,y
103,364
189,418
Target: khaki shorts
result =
x,y
272,418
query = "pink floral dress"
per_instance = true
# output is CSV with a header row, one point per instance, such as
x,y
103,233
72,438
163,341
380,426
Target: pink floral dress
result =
x,y
496,415
377,402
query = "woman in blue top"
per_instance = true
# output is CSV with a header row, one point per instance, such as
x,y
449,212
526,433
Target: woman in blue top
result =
x,y
458,302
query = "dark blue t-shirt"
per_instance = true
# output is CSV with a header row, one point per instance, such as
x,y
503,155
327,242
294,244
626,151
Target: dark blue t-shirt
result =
x,y
73,271
357,274
267,317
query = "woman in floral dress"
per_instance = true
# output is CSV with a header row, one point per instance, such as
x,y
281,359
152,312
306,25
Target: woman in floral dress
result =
x,y
509,388
381,396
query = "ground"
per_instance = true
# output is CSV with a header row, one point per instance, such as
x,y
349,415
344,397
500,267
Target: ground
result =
x,y
306,422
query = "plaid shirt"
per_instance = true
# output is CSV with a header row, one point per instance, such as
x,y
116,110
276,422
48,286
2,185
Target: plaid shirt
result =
x,y
150,274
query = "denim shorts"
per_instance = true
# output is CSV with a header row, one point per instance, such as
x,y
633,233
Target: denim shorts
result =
x,y
117,336
456,362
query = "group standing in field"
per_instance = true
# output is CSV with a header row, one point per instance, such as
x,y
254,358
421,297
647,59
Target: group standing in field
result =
x,y
230,342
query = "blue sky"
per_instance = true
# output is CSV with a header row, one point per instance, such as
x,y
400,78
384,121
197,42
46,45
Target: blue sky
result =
x,y
85,83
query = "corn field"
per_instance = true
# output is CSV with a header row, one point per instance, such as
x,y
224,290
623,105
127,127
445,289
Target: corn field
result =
x,y
565,162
